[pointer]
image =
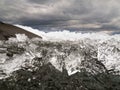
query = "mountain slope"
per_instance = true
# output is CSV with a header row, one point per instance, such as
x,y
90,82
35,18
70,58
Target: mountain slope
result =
x,y
7,31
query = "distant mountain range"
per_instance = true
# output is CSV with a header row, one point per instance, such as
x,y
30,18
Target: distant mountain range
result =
x,y
8,30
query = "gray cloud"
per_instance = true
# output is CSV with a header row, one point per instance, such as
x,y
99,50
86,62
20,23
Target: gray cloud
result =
x,y
69,14
43,1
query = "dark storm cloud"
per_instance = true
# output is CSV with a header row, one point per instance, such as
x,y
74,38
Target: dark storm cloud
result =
x,y
42,1
32,22
69,14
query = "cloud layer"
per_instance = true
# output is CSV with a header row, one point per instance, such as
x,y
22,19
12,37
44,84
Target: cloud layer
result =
x,y
93,15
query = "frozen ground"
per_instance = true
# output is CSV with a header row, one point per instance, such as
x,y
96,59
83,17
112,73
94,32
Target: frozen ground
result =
x,y
96,52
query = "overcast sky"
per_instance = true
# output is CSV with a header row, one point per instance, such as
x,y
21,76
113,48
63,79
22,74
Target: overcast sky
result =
x,y
95,15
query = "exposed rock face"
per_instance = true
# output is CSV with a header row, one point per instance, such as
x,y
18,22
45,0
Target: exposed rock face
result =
x,y
7,31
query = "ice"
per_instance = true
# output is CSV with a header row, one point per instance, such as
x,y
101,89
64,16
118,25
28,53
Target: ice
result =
x,y
105,46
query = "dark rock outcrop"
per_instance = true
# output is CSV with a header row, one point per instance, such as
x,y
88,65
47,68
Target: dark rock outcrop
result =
x,y
8,30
